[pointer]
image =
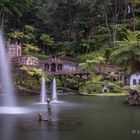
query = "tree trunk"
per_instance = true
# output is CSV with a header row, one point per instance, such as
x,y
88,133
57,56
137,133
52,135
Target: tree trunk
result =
x,y
115,18
14,23
44,48
107,25
124,11
1,19
134,18
70,19
114,34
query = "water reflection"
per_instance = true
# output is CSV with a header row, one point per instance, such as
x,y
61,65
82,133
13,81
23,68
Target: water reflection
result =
x,y
82,118
8,129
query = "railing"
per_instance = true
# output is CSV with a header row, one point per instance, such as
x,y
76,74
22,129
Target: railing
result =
x,y
67,73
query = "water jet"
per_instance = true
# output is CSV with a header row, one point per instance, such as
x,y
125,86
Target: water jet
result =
x,y
43,90
54,90
9,98
9,102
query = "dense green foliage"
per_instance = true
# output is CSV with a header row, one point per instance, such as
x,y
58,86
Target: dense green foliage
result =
x,y
97,83
72,26
30,78
128,52
93,32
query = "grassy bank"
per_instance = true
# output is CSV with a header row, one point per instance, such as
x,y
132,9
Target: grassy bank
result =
x,y
105,94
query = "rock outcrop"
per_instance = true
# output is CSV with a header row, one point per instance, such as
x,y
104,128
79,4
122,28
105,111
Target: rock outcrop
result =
x,y
133,99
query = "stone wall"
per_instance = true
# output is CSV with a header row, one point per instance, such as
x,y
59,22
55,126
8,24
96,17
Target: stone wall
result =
x,y
13,50
25,60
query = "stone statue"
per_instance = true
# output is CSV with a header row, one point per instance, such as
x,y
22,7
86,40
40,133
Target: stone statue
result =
x,y
49,108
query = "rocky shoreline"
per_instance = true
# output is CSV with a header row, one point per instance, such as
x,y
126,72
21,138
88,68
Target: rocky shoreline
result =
x,y
133,99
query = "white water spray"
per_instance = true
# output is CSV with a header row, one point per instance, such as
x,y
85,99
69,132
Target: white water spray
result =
x,y
9,98
43,91
54,90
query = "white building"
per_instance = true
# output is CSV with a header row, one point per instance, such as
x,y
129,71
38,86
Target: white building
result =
x,y
105,89
134,80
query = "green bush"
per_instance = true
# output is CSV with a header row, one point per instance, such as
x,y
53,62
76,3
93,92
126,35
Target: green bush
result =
x,y
59,83
30,78
96,85
91,87
73,83
39,56
114,88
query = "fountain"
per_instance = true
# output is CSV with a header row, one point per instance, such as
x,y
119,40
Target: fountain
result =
x,y
43,91
9,98
54,92
9,102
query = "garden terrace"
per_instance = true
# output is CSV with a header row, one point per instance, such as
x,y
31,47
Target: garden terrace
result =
x,y
25,60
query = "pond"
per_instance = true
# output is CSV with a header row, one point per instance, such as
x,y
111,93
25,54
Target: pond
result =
x,y
83,118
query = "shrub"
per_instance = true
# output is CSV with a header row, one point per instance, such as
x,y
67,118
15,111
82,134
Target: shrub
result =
x,y
91,87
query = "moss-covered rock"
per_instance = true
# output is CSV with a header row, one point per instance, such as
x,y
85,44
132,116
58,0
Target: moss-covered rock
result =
x,y
133,99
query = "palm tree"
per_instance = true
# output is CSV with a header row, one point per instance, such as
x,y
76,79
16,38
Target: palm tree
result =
x,y
91,66
87,44
30,48
12,8
4,9
16,35
128,52
28,34
47,41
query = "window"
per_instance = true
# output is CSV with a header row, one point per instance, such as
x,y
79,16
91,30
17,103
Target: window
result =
x,y
134,82
139,81
66,67
74,68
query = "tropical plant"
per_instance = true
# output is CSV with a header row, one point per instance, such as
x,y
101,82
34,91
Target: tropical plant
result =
x,y
28,28
93,86
88,44
128,52
30,48
16,36
96,84
29,79
39,55
91,66
12,8
28,34
35,72
47,40
73,83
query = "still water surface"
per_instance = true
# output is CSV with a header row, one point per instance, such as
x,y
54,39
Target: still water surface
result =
x,y
101,118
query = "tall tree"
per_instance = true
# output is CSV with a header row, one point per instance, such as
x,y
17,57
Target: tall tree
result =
x,y
12,8
48,42
128,53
